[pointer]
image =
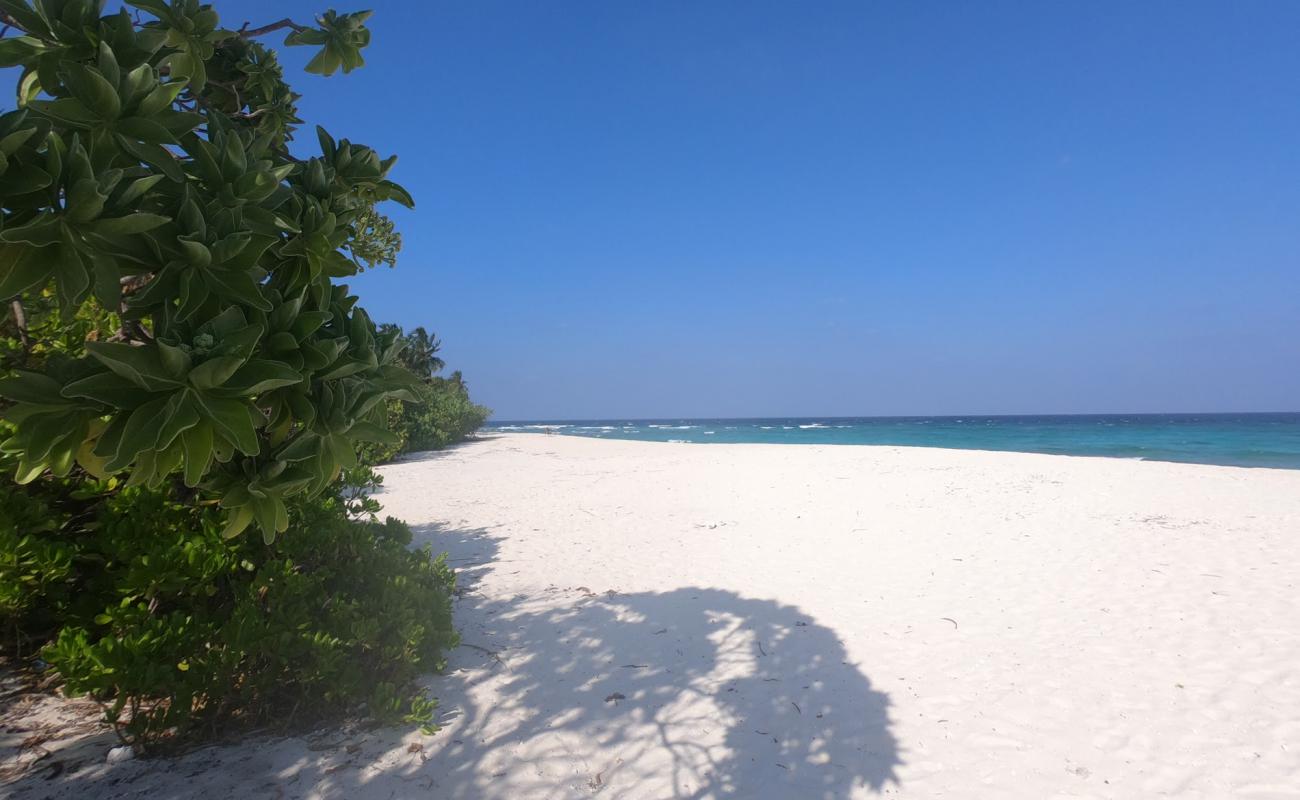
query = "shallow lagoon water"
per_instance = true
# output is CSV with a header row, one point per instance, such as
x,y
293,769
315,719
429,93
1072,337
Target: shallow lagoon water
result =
x,y
1246,440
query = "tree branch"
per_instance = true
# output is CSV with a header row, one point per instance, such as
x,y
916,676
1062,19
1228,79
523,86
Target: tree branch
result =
x,y
9,22
20,321
249,33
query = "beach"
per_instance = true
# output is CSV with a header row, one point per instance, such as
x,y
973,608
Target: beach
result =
x,y
669,620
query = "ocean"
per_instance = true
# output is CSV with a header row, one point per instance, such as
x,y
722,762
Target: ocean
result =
x,y
1242,440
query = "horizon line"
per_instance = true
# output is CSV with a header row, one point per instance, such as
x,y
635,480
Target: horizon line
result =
x,y
541,420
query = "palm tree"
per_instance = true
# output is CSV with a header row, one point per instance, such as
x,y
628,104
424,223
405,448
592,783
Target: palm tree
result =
x,y
420,353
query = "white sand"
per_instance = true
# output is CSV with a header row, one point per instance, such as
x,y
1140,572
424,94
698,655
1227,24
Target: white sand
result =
x,y
789,621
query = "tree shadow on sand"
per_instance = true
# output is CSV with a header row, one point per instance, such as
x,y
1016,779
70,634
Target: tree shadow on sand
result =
x,y
688,693
572,692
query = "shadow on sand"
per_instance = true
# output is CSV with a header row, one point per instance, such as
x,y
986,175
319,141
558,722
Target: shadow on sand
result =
x,y
582,691
697,692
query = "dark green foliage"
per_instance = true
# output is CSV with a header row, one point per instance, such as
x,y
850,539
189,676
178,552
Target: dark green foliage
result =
x,y
144,175
419,351
35,563
181,628
447,417
177,362
443,414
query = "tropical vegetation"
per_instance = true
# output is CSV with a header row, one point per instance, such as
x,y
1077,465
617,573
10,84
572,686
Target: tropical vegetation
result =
x,y
183,368
443,415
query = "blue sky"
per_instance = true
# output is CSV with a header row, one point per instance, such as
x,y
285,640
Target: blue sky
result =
x,y
750,209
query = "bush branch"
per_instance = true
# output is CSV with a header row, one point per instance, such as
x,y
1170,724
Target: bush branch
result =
x,y
249,33
20,321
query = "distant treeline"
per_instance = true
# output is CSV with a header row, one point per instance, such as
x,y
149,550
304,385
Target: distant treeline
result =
x,y
444,416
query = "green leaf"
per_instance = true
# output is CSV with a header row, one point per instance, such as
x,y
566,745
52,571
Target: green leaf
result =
x,y
230,246
66,109
22,268
238,285
214,372
162,96
144,130
108,442
10,143
136,189
108,64
71,278
45,229
233,159
261,375
140,434
136,84
326,62
233,419
155,155
327,144
140,365
43,433
255,186
301,448
23,178
139,222
238,520
19,50
197,442
180,122
197,254
236,340
107,280
395,191
108,388
185,64
92,89
84,201
176,361
193,294
369,432
181,416
29,87
343,368
32,387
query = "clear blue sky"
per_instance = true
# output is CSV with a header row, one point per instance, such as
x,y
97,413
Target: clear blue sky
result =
x,y
661,209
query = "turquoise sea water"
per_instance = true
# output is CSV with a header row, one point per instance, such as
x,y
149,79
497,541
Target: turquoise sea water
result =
x,y
1246,440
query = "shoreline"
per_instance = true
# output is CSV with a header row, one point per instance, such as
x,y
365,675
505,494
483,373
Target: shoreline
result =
x,y
484,434
1270,440
820,622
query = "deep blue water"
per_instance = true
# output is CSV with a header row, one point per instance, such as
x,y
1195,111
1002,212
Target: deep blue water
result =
x,y
1247,440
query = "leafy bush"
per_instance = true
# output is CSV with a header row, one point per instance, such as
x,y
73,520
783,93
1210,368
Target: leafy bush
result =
x,y
35,563
146,173
180,628
447,417
179,364
443,414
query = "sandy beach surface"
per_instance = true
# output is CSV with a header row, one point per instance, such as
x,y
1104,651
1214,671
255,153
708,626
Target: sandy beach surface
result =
x,y
649,620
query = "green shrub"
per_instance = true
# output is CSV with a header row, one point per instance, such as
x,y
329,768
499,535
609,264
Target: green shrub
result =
x,y
442,415
371,453
446,418
35,563
146,176
179,362
177,629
